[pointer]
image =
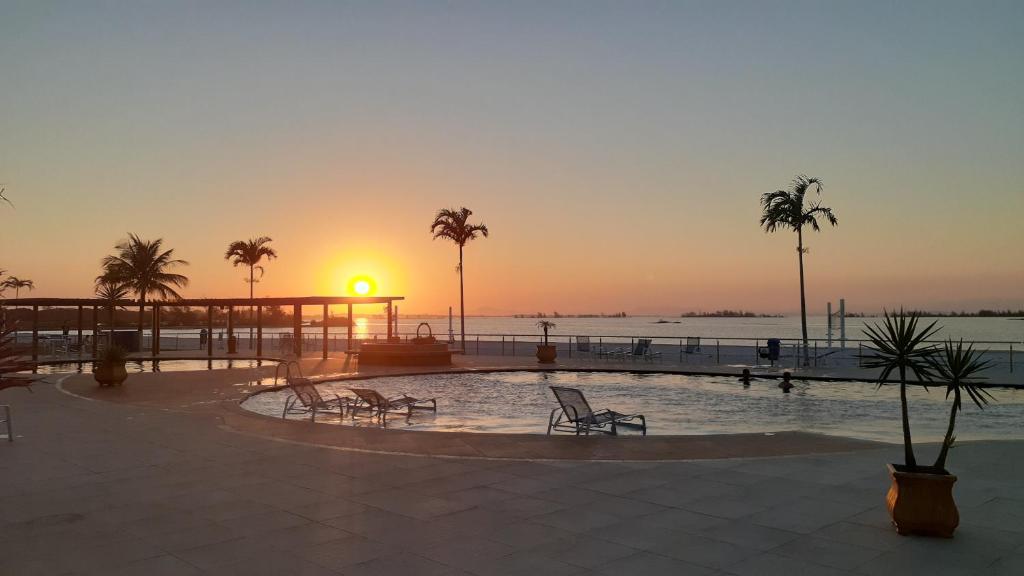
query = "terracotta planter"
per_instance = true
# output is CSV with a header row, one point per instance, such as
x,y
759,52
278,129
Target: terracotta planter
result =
x,y
110,374
921,502
546,353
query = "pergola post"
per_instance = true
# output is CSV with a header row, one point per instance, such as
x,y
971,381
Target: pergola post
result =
x,y
348,345
80,329
35,333
155,331
390,313
325,331
297,328
95,329
259,331
231,330
209,330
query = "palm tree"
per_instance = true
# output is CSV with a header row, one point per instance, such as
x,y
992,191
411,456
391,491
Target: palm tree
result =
x,y
110,291
18,284
786,209
250,253
454,225
141,266
898,345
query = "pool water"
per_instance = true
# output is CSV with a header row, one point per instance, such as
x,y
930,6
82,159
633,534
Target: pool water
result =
x,y
155,366
520,402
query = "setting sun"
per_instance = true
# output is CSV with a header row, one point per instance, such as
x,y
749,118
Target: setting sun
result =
x,y
362,286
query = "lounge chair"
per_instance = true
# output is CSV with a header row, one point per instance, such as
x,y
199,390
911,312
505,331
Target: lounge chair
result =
x,y
642,349
574,415
369,400
306,399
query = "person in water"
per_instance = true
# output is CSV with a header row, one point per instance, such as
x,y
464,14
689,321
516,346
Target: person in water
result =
x,y
786,385
745,377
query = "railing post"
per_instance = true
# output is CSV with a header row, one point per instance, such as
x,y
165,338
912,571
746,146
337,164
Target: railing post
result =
x,y
570,347
718,352
513,346
815,353
502,344
477,345
1011,358
757,353
860,354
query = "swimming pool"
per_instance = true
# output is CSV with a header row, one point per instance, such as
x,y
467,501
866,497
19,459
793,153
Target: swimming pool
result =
x,y
135,366
520,401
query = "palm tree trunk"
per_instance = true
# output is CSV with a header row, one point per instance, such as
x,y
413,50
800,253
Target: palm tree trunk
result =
x,y
251,309
908,446
940,462
142,316
17,295
803,299
462,302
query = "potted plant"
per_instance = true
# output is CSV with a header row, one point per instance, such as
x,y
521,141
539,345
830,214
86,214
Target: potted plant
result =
x,y
920,497
110,370
546,353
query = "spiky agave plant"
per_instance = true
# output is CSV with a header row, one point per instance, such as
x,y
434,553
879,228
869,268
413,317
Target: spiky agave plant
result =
x,y
899,345
959,368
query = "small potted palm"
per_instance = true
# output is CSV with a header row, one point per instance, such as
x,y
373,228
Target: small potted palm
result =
x,y
546,353
920,497
109,369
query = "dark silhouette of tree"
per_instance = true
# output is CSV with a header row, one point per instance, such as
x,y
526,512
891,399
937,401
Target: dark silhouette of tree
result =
x,y
454,225
110,292
17,284
788,209
250,253
142,267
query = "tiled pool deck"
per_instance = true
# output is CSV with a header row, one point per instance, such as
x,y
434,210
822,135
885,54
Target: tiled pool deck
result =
x,y
164,477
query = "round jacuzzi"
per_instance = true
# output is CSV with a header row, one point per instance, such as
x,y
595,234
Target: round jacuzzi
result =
x,y
673,404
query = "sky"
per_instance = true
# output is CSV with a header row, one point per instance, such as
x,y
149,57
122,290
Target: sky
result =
x,y
616,150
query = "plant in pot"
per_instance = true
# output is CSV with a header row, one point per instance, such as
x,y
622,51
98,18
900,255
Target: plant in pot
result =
x,y
920,497
546,353
109,369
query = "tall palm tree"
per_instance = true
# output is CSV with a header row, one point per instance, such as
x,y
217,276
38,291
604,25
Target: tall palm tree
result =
x,y
18,284
787,209
454,225
142,267
250,253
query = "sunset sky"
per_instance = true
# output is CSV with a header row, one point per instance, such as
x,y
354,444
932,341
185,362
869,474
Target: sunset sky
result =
x,y
616,151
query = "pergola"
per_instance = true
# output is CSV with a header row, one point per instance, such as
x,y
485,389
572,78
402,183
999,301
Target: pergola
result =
x,y
209,303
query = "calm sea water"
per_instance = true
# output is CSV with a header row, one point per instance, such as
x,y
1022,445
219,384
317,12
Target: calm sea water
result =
x,y
997,331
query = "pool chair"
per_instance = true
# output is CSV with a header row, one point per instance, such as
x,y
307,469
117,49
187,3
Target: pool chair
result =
x,y
642,349
574,415
306,399
585,346
376,404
